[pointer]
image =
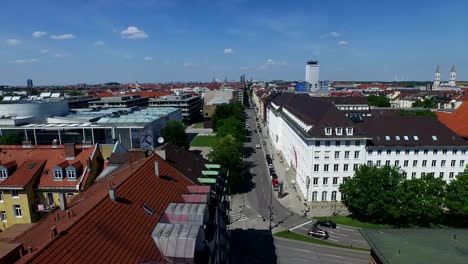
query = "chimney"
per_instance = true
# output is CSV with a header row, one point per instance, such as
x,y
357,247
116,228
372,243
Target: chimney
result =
x,y
70,151
63,201
27,144
53,232
54,143
161,152
113,194
156,168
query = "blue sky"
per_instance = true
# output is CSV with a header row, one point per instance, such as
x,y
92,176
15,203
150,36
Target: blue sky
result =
x,y
95,41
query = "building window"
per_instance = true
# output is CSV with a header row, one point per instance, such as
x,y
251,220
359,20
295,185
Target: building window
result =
x,y
397,162
58,174
3,174
328,131
379,152
316,167
413,175
442,163
389,152
333,196
337,143
416,138
335,180
434,162
317,143
14,194
347,143
426,151
451,175
369,152
349,131
345,167
355,167
463,152
454,152
317,155
71,174
462,163
346,155
397,152
356,154
441,175
315,181
452,163
416,152
415,163
337,154
327,155
325,181
444,151
339,131
423,174
378,163
3,216
358,143
17,211
369,163
335,167
324,195
424,163
314,196
434,151
407,152
405,163
325,167
327,143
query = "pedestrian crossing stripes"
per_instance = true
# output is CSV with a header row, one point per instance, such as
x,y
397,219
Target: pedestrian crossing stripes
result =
x,y
239,216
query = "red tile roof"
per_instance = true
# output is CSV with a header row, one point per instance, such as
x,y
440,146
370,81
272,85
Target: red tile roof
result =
x,y
53,157
456,121
23,175
103,231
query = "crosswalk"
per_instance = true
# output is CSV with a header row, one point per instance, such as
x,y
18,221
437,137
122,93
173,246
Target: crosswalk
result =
x,y
237,217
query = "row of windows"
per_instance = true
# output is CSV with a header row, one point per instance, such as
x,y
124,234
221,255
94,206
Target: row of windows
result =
x,y
14,194
17,212
325,196
339,131
337,154
337,143
416,152
336,167
315,180
453,163
441,174
71,174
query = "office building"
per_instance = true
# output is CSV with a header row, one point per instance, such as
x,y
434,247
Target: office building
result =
x,y
30,83
312,75
120,101
189,104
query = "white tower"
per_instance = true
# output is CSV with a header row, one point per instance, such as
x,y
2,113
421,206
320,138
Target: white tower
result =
x,y
437,77
453,76
312,75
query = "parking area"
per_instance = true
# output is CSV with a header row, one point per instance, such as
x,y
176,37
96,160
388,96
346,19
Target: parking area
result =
x,y
342,235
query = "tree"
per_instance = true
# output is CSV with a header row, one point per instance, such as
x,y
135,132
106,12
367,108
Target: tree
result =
x,y
174,133
457,199
235,110
233,127
11,139
420,202
428,103
378,100
227,152
370,194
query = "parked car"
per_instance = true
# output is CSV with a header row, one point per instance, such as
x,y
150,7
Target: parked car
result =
x,y
258,146
270,165
247,126
267,156
318,233
326,223
273,175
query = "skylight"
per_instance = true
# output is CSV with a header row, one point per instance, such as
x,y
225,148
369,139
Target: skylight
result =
x,y
405,137
397,137
148,209
387,137
434,138
415,137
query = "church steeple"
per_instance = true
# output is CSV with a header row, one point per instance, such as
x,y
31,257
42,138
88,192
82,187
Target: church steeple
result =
x,y
437,77
453,76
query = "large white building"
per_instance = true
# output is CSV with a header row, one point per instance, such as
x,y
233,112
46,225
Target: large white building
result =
x,y
325,147
450,85
312,75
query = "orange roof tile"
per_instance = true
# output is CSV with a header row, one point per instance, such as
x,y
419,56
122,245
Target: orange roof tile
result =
x,y
456,121
103,231
23,175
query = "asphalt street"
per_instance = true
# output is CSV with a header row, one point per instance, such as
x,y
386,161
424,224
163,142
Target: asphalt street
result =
x,y
297,252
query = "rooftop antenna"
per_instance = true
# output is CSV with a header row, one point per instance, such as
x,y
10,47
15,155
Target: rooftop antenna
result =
x,y
160,140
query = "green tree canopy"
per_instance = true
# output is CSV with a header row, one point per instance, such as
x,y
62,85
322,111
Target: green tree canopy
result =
x,y
11,139
174,133
427,103
378,100
420,202
457,198
234,110
372,192
233,127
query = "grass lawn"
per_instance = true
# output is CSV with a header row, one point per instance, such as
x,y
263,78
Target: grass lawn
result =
x,y
294,236
198,125
346,220
204,141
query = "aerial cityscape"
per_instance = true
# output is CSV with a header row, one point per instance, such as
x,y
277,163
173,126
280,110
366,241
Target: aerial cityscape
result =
x,y
233,131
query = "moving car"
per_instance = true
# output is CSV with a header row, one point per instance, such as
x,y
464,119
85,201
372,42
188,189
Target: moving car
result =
x,y
258,146
326,223
318,233
247,126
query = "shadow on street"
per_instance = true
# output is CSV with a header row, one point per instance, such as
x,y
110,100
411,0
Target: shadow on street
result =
x,y
247,184
252,246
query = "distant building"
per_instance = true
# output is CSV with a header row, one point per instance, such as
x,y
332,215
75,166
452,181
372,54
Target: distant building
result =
x,y
189,104
80,101
450,85
302,87
212,99
120,101
30,83
312,75
240,95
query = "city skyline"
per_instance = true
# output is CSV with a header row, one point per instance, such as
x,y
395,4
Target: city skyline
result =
x,y
162,41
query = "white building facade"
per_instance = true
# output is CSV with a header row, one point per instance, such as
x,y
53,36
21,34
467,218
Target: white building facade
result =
x,y
325,148
312,75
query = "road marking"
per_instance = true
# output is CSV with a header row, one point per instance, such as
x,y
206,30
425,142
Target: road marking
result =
x,y
346,228
305,260
308,222
330,255
338,234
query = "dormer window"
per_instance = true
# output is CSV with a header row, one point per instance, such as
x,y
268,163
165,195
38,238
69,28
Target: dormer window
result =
x,y
58,174
349,131
339,131
328,131
434,138
71,174
3,174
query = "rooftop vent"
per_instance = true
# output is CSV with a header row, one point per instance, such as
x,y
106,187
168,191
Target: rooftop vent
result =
x,y
156,168
113,194
27,144
54,143
148,209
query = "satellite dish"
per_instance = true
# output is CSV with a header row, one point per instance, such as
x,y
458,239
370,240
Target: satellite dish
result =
x,y
160,140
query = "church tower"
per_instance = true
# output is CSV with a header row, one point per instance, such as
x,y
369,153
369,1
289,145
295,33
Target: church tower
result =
x,y
453,76
437,77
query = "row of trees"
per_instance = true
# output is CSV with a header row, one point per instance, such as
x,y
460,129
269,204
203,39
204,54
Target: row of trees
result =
x,y
229,123
378,100
382,195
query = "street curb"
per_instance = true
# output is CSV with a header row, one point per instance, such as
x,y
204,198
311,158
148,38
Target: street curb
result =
x,y
325,246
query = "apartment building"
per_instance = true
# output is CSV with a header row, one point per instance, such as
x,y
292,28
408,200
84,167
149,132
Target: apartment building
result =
x,y
325,147
189,104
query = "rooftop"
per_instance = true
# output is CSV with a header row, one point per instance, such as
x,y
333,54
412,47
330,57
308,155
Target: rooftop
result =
x,y
419,245
456,121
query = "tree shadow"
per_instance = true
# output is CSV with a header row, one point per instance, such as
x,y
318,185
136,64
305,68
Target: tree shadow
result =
x,y
247,183
248,152
283,195
260,248
191,136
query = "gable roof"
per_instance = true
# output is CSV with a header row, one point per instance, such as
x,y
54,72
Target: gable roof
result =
x,y
456,121
23,175
103,231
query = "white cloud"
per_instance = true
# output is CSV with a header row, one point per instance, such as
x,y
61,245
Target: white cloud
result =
x,y
190,64
343,43
228,51
23,61
99,43
39,34
63,36
148,58
334,34
44,51
59,55
133,32
13,42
